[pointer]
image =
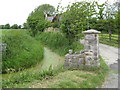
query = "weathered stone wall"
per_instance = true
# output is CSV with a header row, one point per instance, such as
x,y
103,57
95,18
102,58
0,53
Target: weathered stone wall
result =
x,y
51,29
89,56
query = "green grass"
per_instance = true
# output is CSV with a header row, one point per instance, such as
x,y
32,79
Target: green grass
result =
x,y
82,78
57,42
51,61
24,79
22,51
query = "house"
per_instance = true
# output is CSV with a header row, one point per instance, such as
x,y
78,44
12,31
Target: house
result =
x,y
51,18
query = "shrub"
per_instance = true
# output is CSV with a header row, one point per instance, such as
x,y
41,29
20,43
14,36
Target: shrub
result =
x,y
58,42
22,51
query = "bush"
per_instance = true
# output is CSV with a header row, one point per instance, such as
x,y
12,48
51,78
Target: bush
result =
x,y
22,51
58,42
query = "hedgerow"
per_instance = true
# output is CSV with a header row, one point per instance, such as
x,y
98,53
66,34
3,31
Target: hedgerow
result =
x,y
22,51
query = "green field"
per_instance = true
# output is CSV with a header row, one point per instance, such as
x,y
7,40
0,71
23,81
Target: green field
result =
x,y
104,38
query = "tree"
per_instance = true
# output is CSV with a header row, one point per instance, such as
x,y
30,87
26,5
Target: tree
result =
x,y
7,26
46,8
15,26
25,26
76,18
108,22
2,26
19,27
36,20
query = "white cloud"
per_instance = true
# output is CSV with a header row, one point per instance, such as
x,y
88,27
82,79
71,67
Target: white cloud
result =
x,y
17,11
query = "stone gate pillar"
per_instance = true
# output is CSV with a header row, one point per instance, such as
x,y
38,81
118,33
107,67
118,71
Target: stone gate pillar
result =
x,y
91,45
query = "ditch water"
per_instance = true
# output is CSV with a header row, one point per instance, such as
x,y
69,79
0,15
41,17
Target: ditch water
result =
x,y
50,58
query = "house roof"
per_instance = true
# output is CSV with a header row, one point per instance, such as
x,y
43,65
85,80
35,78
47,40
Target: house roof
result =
x,y
50,18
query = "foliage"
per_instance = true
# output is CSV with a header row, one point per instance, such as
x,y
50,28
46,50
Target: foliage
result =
x,y
25,26
58,42
36,20
20,53
7,26
26,77
89,15
46,8
73,24
15,26
19,26
55,25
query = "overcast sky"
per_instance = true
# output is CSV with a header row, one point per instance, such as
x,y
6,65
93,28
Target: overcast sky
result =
x,y
17,11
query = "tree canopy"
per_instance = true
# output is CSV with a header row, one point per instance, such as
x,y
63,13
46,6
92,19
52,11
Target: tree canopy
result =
x,y
46,8
83,15
36,20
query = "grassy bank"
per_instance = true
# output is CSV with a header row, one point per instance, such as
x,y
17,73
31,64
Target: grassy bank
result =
x,y
82,78
58,42
48,67
60,78
22,51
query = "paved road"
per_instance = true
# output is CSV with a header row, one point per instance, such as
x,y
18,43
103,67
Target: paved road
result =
x,y
110,55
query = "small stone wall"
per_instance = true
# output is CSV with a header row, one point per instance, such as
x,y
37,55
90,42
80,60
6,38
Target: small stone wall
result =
x,y
89,56
51,29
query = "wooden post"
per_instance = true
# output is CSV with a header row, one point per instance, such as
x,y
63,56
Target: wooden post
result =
x,y
110,34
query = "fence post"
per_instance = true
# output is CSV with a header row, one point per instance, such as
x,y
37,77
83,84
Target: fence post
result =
x,y
110,34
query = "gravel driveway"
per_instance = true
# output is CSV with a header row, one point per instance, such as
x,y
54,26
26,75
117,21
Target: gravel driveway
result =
x,y
110,55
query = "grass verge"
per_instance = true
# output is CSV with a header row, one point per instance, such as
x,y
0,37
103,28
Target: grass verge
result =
x,y
82,78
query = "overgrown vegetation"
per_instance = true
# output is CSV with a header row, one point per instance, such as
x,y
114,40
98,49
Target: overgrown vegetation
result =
x,y
22,51
89,15
58,42
23,78
37,19
83,78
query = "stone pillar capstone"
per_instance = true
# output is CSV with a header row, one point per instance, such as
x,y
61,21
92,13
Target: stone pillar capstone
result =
x,y
91,45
